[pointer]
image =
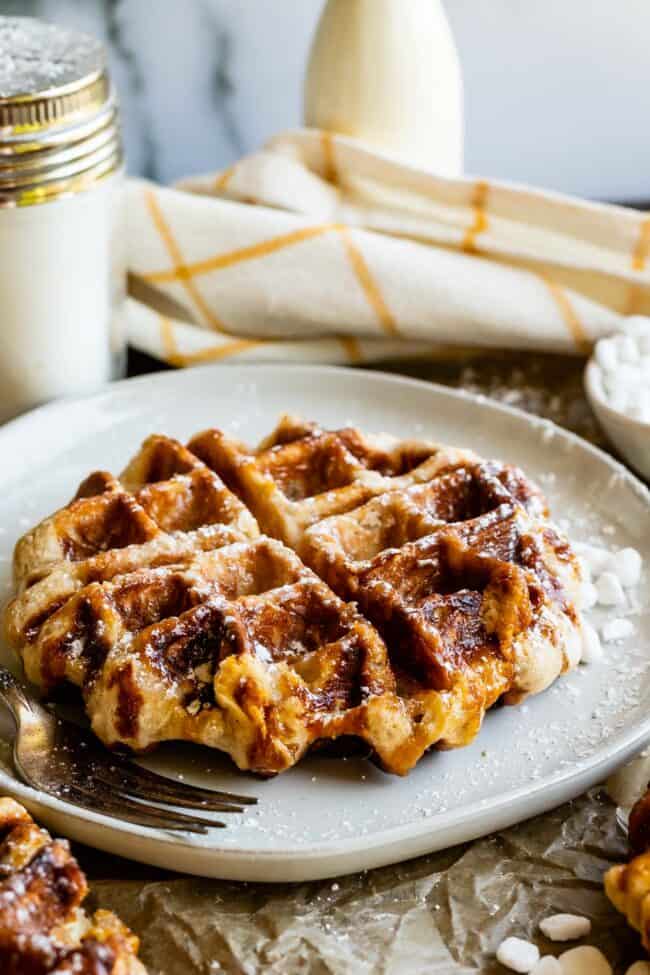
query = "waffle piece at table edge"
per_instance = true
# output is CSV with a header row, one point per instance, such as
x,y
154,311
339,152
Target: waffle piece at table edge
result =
x,y
43,926
627,885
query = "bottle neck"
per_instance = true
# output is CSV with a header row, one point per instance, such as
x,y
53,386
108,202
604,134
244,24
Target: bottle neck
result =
x,y
386,72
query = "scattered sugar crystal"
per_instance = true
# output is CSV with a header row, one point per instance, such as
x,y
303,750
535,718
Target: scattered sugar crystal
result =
x,y
627,348
565,927
596,558
548,965
609,589
606,354
517,954
588,595
617,629
592,651
638,326
627,564
584,960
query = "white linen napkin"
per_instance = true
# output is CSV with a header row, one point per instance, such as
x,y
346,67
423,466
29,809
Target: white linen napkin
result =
x,y
319,249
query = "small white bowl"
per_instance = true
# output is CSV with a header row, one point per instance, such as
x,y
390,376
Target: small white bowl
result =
x,y
630,437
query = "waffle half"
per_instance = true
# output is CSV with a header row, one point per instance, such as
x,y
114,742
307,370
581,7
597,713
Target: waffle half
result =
x,y
43,927
628,884
400,589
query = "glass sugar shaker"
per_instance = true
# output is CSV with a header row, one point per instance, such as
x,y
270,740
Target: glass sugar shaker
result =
x,y
62,260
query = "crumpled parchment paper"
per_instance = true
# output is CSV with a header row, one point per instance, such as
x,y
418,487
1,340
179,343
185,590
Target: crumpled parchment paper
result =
x,y
443,914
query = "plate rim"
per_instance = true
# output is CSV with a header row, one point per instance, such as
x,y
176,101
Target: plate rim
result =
x,y
541,795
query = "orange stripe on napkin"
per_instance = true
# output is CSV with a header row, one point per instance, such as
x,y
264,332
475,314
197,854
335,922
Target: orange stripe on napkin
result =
x,y
351,347
331,173
216,352
368,283
481,222
213,353
168,340
223,179
176,255
221,261
569,315
640,256
642,247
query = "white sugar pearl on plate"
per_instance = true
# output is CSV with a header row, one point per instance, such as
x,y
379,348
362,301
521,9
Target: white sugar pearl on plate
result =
x,y
517,954
565,927
617,629
627,564
594,557
548,965
609,589
592,650
588,595
584,960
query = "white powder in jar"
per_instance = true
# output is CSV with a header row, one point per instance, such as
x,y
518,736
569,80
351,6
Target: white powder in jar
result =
x,y
62,266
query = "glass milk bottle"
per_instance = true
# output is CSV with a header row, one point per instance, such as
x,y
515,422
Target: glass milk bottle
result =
x,y
387,72
62,265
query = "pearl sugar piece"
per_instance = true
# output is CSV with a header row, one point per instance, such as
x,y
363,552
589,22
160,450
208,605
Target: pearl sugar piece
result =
x,y
609,589
584,960
592,650
606,355
548,965
617,629
518,955
565,927
595,558
627,564
588,595
623,366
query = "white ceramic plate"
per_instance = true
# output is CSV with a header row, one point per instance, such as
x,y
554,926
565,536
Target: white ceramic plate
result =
x,y
328,817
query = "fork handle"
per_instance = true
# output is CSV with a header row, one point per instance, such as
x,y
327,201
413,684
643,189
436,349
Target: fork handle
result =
x,y
13,693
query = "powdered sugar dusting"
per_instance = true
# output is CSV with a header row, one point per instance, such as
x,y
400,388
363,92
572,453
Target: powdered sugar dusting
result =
x,y
35,56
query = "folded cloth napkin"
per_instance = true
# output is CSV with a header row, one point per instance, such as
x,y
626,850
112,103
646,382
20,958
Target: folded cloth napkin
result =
x,y
320,249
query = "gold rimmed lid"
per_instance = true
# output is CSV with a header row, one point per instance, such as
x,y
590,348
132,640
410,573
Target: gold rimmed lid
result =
x,y
58,113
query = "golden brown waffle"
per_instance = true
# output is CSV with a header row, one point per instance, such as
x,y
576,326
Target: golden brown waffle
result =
x,y
43,927
197,629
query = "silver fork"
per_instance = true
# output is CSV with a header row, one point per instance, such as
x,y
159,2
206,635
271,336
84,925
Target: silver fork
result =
x,y
62,759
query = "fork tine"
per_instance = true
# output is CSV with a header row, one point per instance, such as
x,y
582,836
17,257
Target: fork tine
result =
x,y
132,812
138,774
96,793
154,793
126,801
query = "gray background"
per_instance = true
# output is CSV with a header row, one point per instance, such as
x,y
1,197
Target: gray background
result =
x,y
556,92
